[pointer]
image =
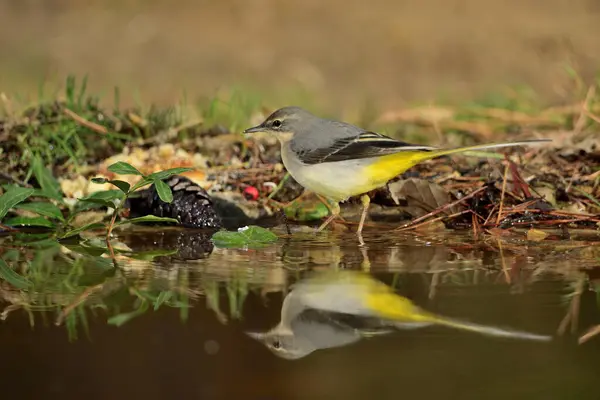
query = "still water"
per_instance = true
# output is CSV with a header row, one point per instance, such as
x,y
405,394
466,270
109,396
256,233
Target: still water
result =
x,y
169,318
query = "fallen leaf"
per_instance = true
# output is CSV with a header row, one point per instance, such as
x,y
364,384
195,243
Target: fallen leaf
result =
x,y
418,197
247,237
499,232
536,235
435,226
547,193
337,226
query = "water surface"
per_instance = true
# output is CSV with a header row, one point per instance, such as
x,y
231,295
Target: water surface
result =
x,y
75,331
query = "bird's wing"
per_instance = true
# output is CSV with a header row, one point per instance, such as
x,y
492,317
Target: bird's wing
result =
x,y
364,145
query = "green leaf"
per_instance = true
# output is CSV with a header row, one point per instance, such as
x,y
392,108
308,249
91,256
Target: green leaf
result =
x,y
147,218
25,238
104,197
167,173
12,197
306,210
142,182
43,208
10,276
11,255
122,185
123,318
98,202
162,297
77,231
82,206
248,237
48,183
123,168
150,255
40,241
42,244
29,221
41,193
86,250
164,191
144,294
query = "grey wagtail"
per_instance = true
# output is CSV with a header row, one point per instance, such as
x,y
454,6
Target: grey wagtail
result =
x,y
361,295
338,160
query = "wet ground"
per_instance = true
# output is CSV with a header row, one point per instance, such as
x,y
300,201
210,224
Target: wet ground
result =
x,y
170,320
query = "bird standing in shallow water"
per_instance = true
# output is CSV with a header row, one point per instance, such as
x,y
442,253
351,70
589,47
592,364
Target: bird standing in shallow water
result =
x,y
338,160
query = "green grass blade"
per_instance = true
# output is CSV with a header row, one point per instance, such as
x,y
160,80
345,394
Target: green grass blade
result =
x,y
121,319
48,183
162,298
589,197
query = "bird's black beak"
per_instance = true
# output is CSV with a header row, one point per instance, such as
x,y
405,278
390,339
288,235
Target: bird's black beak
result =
x,y
255,129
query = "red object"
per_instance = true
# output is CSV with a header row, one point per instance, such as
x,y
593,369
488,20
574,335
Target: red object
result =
x,y
251,193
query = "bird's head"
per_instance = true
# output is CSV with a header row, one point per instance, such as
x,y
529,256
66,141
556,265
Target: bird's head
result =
x,y
285,123
282,343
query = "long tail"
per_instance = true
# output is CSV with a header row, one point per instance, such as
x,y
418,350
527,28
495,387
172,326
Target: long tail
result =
x,y
444,152
489,330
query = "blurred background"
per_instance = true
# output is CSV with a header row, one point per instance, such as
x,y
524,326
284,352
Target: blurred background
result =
x,y
346,53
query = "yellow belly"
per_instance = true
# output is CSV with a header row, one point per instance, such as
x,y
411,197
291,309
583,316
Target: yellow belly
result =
x,y
343,179
388,167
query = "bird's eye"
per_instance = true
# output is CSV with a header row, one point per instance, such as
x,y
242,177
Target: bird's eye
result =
x,y
276,344
276,123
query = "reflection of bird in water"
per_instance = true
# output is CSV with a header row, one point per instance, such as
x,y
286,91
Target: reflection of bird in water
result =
x,y
356,294
313,330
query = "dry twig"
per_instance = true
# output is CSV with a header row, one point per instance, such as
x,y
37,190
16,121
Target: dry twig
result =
x,y
84,122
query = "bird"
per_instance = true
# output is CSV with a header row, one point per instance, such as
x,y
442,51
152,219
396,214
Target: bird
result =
x,y
360,295
338,160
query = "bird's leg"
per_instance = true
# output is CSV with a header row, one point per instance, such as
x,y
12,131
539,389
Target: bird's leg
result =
x,y
287,204
366,262
285,221
328,204
322,199
365,200
335,212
